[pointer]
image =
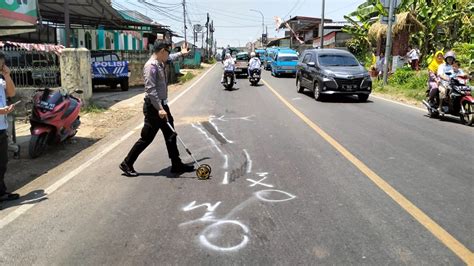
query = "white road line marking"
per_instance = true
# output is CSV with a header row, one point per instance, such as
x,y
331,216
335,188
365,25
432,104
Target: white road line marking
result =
x,y
226,161
190,87
399,103
24,208
226,178
249,161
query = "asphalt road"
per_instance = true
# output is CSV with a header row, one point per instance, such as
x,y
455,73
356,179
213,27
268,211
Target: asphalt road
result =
x,y
293,181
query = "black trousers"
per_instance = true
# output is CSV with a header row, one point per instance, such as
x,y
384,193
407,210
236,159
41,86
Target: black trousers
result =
x,y
152,125
3,160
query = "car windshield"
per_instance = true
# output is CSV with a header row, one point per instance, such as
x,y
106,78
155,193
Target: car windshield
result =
x,y
243,57
287,58
337,60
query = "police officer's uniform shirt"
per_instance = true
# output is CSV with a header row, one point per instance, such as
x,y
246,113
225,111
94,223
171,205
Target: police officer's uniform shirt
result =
x,y
3,103
156,84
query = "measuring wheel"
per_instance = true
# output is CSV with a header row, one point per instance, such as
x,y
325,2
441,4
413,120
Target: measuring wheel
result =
x,y
203,171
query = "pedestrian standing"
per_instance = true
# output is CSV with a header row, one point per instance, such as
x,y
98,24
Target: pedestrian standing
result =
x,y
156,110
7,89
414,57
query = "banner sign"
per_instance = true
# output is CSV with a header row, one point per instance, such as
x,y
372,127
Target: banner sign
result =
x,y
17,13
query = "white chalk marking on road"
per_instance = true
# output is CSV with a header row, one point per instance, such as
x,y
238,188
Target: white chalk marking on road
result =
x,y
226,161
208,138
263,194
226,178
211,228
259,182
210,208
249,162
296,98
399,103
219,132
24,208
262,174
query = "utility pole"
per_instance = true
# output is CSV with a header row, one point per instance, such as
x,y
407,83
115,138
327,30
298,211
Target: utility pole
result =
x,y
207,37
388,45
184,17
212,37
322,26
67,28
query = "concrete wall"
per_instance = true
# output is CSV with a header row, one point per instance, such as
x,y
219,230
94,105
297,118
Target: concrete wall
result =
x,y
76,71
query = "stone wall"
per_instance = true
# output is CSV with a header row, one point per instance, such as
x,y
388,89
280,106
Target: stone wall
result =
x,y
76,71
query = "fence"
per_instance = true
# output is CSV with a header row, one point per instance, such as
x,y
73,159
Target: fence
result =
x,y
32,68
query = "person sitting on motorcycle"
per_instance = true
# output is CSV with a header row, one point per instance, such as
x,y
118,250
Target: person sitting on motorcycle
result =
x,y
444,70
433,79
457,71
229,65
254,62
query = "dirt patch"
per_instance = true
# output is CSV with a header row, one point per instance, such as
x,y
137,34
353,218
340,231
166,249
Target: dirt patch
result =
x,y
119,108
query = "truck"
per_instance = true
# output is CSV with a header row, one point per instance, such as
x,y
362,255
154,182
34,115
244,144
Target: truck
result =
x,y
108,69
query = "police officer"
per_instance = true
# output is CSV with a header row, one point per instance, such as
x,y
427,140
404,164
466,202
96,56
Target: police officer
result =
x,y
7,89
156,110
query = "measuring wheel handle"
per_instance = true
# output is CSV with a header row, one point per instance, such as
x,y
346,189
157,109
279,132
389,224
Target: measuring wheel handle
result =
x,y
203,171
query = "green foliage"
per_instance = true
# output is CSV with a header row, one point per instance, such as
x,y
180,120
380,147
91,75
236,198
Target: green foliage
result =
x,y
93,108
405,83
187,77
445,21
360,49
465,54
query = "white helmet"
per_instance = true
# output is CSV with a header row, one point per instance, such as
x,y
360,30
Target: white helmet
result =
x,y
227,55
252,54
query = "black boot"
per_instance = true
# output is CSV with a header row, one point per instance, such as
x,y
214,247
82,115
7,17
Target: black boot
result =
x,y
179,167
128,170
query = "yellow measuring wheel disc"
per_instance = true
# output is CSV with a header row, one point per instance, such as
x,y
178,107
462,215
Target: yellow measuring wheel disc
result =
x,y
203,171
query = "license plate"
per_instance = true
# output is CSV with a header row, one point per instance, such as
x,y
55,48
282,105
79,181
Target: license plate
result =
x,y
238,70
349,87
110,76
289,71
46,105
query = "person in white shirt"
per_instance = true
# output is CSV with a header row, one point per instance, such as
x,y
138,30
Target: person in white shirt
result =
x,y
254,62
414,58
445,71
7,89
229,65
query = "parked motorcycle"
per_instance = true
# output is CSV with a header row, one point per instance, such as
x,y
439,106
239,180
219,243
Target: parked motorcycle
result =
x,y
54,118
461,102
254,76
229,79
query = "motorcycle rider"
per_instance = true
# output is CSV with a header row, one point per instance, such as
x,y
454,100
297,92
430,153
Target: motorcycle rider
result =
x,y
443,70
229,65
254,62
433,79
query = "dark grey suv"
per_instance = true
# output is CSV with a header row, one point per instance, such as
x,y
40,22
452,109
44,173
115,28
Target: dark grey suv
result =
x,y
332,71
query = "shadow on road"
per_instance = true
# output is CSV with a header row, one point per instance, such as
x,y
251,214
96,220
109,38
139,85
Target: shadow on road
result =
x,y
24,170
337,98
166,172
30,198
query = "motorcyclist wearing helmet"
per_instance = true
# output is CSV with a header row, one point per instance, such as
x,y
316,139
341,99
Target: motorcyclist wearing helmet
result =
x,y
445,71
229,65
254,62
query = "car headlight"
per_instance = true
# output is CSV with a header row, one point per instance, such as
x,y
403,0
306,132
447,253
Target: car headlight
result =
x,y
329,76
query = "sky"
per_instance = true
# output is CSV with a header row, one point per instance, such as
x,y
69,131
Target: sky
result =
x,y
234,23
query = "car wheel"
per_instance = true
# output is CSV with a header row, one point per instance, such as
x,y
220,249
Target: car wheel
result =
x,y
317,92
363,97
124,85
299,88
